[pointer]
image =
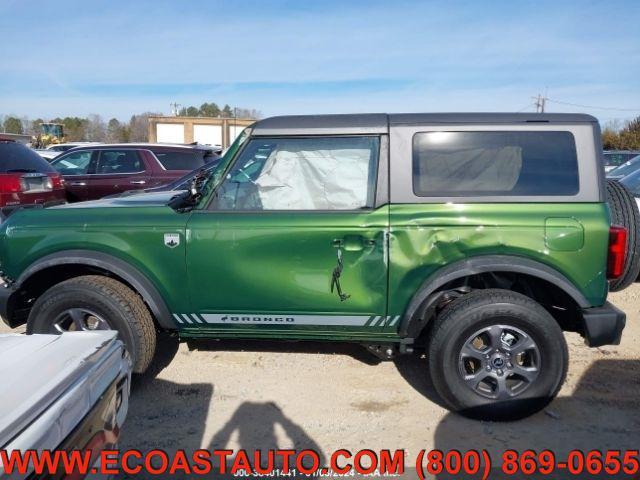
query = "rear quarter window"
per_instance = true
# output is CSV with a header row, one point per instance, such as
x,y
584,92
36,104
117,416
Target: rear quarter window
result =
x,y
176,160
15,157
494,163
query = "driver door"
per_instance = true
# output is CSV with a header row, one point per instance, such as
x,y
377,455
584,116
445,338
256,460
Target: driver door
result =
x,y
294,242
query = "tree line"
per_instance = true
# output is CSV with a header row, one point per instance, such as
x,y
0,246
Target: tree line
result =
x,y
94,128
213,110
626,137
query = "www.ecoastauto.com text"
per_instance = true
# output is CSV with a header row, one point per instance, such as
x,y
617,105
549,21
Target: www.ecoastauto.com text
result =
x,y
295,463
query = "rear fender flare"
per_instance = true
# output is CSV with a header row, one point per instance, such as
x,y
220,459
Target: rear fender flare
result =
x,y
411,326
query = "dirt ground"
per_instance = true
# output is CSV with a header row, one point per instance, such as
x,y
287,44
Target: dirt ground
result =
x,y
259,395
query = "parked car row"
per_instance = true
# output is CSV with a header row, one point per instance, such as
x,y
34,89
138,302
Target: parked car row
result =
x,y
97,171
26,179
628,174
91,170
615,158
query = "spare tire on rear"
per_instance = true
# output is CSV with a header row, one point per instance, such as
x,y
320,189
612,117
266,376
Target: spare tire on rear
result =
x,y
624,212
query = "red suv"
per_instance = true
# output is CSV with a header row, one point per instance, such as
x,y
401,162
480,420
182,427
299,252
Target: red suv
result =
x,y
26,179
96,171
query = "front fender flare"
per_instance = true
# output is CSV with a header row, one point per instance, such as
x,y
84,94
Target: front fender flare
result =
x,y
483,264
118,267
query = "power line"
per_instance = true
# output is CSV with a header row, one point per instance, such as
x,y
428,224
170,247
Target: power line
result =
x,y
540,101
529,105
175,108
593,107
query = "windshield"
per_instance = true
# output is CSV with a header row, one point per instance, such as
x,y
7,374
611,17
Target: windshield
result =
x,y
632,182
626,168
215,176
15,157
183,182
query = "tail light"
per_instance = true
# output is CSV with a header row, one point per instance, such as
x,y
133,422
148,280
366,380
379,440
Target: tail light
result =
x,y
617,251
11,184
56,180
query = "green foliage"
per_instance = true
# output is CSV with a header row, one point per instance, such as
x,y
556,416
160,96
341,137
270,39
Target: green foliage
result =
x,y
189,112
13,125
117,132
74,128
213,110
209,110
93,128
627,138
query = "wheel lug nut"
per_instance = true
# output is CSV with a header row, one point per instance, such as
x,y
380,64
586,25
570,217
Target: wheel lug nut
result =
x,y
509,365
500,372
488,368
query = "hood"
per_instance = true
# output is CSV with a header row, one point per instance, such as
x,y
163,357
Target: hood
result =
x,y
139,200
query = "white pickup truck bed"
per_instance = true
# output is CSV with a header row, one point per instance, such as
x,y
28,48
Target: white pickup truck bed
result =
x,y
50,383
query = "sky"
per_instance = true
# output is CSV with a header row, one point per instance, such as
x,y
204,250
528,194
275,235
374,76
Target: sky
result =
x,y
116,58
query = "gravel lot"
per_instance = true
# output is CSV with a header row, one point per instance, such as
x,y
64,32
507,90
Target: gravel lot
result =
x,y
302,395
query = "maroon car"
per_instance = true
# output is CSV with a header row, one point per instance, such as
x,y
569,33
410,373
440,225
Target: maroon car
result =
x,y
96,171
26,179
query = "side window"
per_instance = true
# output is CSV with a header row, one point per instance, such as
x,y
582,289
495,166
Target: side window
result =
x,y
494,163
119,161
614,159
75,163
175,160
321,173
632,182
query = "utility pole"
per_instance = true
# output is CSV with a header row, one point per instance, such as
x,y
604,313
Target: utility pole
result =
x,y
175,108
540,101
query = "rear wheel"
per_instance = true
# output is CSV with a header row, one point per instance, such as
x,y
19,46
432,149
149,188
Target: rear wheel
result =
x,y
94,302
624,212
496,354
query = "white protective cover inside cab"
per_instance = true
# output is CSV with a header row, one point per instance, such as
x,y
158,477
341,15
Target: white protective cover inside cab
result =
x,y
473,170
315,179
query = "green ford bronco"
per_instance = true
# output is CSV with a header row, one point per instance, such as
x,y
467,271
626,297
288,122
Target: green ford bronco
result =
x,y
474,239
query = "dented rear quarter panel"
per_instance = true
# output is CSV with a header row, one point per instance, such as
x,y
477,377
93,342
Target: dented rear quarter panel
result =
x,y
427,237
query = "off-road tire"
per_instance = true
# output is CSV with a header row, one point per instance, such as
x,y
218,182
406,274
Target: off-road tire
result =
x,y
122,308
480,309
624,212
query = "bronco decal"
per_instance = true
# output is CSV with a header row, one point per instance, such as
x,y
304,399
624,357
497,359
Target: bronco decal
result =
x,y
251,318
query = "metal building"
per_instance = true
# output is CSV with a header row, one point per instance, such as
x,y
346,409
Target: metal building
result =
x,y
204,130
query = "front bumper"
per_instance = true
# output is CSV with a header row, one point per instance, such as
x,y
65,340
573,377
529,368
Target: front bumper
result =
x,y
603,325
5,296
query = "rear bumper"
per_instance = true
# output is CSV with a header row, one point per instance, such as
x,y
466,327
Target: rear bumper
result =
x,y
603,325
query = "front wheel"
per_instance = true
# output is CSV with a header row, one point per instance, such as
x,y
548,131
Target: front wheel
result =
x,y
497,355
94,302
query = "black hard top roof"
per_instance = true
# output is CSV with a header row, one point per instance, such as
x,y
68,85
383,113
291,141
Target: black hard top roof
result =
x,y
380,122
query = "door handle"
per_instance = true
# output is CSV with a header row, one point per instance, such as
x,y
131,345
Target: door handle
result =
x,y
78,184
138,182
353,243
